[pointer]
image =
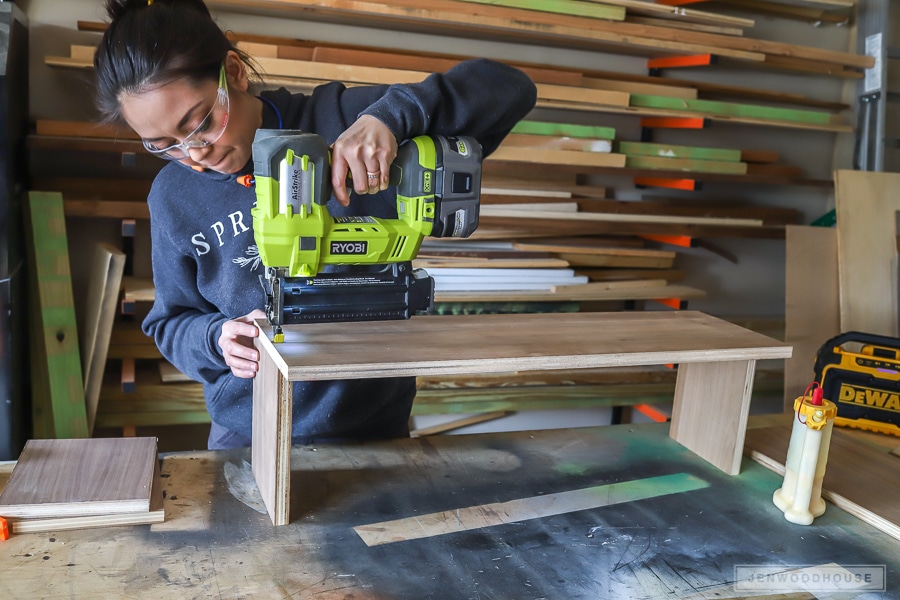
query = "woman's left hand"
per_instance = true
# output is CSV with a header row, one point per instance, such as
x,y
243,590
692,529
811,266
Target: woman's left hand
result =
x,y
364,151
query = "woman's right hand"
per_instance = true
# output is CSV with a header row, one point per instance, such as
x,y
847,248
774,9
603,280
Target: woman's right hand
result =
x,y
236,342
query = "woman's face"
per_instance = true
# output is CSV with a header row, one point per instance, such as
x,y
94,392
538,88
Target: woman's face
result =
x,y
185,112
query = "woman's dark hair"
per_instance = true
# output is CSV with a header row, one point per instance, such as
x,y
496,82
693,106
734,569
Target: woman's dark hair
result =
x,y
148,43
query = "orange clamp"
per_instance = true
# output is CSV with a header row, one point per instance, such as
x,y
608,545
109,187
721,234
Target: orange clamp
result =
x,y
4,529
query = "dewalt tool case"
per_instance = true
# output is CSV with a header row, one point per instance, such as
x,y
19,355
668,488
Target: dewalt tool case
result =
x,y
860,373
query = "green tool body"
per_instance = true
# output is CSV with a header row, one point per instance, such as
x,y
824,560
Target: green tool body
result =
x,y
438,182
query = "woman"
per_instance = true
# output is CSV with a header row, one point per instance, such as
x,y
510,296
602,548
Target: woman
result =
x,y
167,70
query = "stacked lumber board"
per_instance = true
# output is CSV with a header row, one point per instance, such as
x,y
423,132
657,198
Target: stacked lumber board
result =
x,y
60,484
595,95
572,270
835,12
613,33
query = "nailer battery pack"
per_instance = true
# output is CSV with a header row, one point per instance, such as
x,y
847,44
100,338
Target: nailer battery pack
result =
x,y
860,373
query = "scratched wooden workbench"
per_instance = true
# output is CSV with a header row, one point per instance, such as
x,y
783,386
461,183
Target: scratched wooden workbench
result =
x,y
610,512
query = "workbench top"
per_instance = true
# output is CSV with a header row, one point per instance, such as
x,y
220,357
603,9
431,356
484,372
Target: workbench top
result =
x,y
609,512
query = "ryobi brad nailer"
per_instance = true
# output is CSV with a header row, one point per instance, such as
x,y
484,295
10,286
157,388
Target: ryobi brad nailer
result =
x,y
438,181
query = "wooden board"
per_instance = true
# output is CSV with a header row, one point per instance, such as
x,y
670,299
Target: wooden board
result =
x,y
685,165
343,350
272,405
860,478
710,107
633,87
585,247
673,151
156,514
500,211
811,312
546,142
557,157
867,205
563,7
57,386
591,292
678,13
81,477
803,12
102,298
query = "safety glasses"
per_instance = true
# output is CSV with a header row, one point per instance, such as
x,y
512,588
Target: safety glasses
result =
x,y
207,132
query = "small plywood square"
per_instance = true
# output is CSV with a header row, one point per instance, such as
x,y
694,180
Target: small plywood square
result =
x,y
81,477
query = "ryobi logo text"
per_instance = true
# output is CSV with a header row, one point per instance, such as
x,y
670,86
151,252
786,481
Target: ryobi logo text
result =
x,y
361,247
868,397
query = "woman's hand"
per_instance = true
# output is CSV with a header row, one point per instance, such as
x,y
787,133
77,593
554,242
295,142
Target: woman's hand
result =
x,y
237,345
364,151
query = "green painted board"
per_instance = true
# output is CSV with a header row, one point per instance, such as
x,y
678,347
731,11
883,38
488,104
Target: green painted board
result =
x,y
57,386
730,109
566,129
562,7
687,165
670,151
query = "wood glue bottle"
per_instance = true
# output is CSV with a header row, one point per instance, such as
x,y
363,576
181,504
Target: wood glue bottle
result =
x,y
800,496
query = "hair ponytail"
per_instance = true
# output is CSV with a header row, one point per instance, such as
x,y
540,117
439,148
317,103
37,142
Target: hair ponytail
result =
x,y
150,42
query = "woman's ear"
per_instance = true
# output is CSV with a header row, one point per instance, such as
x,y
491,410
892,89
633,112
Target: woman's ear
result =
x,y
236,72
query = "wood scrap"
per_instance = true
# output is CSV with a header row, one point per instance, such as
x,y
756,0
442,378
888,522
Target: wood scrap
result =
x,y
622,274
658,89
788,11
867,205
499,195
675,151
57,386
678,13
501,211
81,477
529,274
562,7
586,292
155,514
714,108
487,263
574,158
459,423
520,140
683,25
685,165
102,299
545,128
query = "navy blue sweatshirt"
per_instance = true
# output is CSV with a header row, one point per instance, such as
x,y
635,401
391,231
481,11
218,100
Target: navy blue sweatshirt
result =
x,y
206,265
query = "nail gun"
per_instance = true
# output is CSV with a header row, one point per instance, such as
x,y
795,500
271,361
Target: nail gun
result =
x,y
438,181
